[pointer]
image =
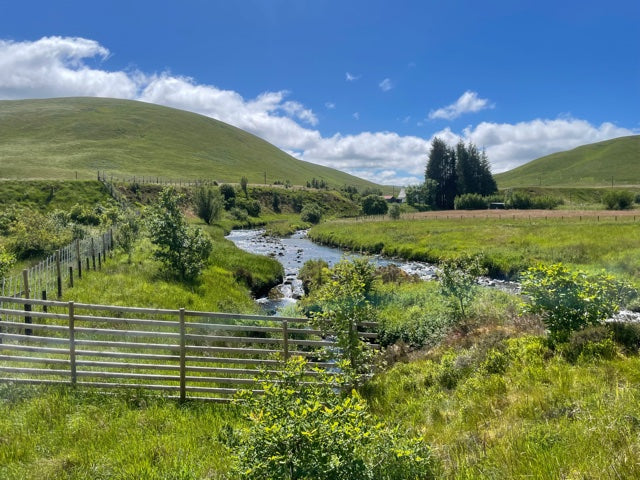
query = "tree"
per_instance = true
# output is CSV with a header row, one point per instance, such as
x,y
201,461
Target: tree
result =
x,y
422,196
311,213
243,184
127,233
209,204
7,261
183,250
395,211
229,195
441,167
374,205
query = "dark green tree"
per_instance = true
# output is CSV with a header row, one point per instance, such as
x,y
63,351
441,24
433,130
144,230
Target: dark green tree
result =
x,y
441,167
209,204
374,205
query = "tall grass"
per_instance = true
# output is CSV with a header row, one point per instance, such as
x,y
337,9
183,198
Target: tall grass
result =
x,y
55,433
508,246
516,410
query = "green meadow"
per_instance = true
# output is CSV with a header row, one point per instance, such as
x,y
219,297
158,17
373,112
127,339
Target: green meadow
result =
x,y
507,245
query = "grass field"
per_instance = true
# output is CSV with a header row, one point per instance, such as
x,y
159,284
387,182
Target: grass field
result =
x,y
57,138
509,242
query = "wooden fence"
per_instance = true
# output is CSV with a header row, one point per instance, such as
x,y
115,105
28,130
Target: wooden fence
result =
x,y
182,354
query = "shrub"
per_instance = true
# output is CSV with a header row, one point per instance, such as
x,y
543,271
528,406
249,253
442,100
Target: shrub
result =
x,y
209,204
84,215
589,343
546,202
252,207
7,261
308,430
470,201
519,200
344,304
374,205
571,300
626,334
229,195
127,233
311,213
313,274
395,211
458,281
36,235
618,199
183,250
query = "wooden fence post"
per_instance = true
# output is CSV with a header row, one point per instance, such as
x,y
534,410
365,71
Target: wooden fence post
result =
x,y
93,253
79,259
71,276
59,274
27,306
183,358
285,343
72,344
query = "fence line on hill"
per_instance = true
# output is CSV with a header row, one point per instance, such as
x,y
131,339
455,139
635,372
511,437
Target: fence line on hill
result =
x,y
180,353
58,270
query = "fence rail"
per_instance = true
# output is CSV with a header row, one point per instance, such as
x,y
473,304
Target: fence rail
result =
x,y
181,353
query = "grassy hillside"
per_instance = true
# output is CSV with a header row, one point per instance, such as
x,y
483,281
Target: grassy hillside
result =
x,y
55,138
591,165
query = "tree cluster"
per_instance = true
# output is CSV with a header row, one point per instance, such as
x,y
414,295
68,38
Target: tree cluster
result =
x,y
458,171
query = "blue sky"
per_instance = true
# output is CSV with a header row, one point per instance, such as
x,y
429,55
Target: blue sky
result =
x,y
362,86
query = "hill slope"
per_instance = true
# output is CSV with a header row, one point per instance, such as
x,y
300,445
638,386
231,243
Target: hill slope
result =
x,y
590,165
54,138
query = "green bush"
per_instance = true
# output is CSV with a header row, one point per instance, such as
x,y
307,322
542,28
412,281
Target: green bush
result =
x,y
313,274
459,281
546,202
626,334
36,235
311,213
470,201
251,206
589,343
309,430
209,204
239,214
7,261
374,205
183,250
395,211
571,300
229,194
519,200
618,199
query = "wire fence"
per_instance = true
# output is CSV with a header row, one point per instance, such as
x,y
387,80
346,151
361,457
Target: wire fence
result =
x,y
58,270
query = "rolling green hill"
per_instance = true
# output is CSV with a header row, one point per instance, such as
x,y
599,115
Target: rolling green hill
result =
x,y
55,138
593,165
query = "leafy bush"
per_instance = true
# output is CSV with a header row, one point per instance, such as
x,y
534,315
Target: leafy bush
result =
x,y
308,430
183,250
374,205
571,300
344,304
127,233
209,204
626,334
7,261
589,343
470,201
458,281
251,206
313,274
395,211
84,215
519,200
239,214
229,195
36,235
618,199
311,213
546,202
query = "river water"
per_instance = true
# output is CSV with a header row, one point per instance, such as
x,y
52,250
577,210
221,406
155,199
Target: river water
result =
x,y
292,252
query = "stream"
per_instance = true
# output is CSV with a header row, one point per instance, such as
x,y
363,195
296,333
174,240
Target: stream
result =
x,y
292,252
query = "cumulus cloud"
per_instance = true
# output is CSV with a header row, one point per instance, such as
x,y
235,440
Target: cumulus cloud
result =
x,y
467,103
385,85
56,67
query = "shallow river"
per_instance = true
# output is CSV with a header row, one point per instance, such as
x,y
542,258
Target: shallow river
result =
x,y
294,251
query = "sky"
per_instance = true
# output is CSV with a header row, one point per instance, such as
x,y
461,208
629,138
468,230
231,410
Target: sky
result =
x,y
361,86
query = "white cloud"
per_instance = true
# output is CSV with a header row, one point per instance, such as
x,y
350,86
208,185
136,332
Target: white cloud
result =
x,y
330,105
467,103
356,115
352,78
55,67
385,85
